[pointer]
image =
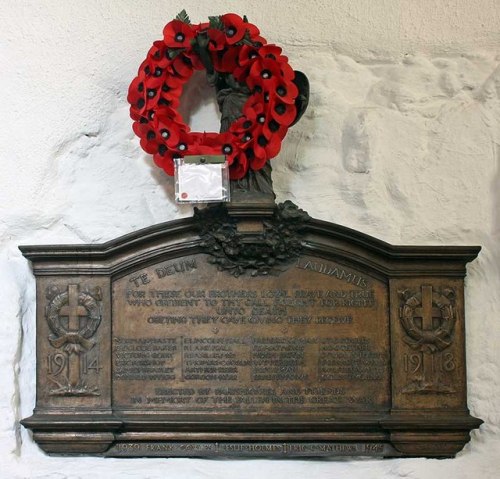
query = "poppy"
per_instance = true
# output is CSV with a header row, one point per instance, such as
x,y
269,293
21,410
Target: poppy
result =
x,y
238,169
145,67
168,134
287,71
149,142
209,143
255,111
170,114
183,66
194,59
157,75
228,62
151,97
272,127
231,150
249,108
253,32
170,90
177,34
285,92
241,73
164,159
134,115
257,158
158,54
258,41
247,55
137,99
283,113
264,73
219,144
234,28
216,39
241,125
155,80
265,148
273,52
187,144
246,139
149,145
136,90
172,79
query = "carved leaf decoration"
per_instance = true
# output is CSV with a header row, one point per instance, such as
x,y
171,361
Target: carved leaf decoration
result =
x,y
265,253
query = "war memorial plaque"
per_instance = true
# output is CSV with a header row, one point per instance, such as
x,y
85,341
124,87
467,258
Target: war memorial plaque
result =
x,y
249,329
146,346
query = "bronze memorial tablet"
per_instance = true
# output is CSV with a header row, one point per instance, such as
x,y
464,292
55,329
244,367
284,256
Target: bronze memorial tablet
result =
x,y
150,345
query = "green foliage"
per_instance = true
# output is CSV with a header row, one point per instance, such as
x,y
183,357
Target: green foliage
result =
x,y
173,52
216,23
246,40
183,17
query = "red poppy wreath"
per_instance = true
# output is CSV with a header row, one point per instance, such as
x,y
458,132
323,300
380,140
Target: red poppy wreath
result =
x,y
256,88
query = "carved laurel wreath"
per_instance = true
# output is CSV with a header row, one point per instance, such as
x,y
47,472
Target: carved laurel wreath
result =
x,y
231,46
423,340
73,341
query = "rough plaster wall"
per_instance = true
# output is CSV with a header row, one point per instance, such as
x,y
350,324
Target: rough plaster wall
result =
x,y
401,141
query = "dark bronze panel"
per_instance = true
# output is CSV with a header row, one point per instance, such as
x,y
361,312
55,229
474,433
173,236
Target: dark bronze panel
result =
x,y
312,340
428,337
73,351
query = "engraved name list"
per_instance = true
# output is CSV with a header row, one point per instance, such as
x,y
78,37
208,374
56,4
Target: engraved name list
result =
x,y
252,345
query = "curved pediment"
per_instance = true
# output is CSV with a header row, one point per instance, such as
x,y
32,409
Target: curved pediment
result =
x,y
318,238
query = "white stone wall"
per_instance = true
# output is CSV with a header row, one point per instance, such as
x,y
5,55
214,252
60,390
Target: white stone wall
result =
x,y
401,141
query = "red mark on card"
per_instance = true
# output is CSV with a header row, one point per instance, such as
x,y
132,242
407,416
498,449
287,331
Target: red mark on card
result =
x,y
184,195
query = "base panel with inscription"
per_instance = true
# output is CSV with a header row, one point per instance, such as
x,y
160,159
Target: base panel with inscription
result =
x,y
250,332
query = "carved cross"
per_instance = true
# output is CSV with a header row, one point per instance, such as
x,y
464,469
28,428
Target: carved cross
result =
x,y
73,310
427,312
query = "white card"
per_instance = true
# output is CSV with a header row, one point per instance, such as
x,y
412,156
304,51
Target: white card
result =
x,y
199,183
